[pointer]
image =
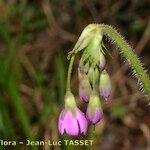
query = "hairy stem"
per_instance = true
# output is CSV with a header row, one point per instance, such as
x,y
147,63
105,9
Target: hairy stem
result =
x,y
69,72
129,55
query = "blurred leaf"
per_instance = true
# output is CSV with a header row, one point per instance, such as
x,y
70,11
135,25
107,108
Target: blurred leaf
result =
x,y
36,24
137,25
118,112
60,75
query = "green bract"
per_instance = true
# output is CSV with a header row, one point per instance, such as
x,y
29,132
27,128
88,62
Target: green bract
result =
x,y
70,101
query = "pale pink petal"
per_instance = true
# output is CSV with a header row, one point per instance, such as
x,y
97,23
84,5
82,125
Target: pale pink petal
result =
x,y
61,126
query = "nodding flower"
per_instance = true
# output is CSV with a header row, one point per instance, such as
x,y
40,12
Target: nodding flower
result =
x,y
72,120
102,61
84,87
94,111
105,85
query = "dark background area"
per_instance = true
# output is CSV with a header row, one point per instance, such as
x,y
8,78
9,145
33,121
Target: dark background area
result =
x,y
35,38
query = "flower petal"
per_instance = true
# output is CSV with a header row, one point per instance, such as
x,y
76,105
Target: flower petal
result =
x,y
71,124
61,126
82,121
97,116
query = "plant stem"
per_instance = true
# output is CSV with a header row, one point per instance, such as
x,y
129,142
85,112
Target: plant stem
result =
x,y
69,72
129,55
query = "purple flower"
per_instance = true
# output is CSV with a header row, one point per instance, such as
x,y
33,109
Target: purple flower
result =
x,y
94,111
72,122
105,85
95,117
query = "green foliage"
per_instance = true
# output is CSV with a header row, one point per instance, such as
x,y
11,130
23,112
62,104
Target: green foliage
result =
x,y
118,112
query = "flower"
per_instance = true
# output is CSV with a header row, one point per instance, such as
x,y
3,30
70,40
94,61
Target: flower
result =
x,y
84,87
72,120
105,85
94,111
102,61
72,123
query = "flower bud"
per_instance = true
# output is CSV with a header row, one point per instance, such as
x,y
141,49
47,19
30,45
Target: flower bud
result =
x,y
84,88
94,111
102,61
105,85
93,75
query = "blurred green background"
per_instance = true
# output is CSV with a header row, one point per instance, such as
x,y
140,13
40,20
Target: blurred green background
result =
x,y
35,37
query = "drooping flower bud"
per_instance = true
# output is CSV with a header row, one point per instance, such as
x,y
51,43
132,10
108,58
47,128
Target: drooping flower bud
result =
x,y
93,75
72,120
94,110
105,85
84,87
102,61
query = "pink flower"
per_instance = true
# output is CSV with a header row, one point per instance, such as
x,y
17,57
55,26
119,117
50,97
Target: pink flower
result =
x,y
72,122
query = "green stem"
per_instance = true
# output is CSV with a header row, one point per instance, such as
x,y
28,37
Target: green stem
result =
x,y
129,55
69,72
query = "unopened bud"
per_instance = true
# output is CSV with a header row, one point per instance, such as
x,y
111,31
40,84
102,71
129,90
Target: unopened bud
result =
x,y
94,110
105,85
84,88
93,75
102,61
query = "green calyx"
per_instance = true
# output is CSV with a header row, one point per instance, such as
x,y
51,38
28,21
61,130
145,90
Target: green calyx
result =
x,y
84,84
93,75
70,101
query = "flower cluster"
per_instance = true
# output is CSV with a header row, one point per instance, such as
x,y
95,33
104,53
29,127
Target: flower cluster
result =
x,y
92,74
94,81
